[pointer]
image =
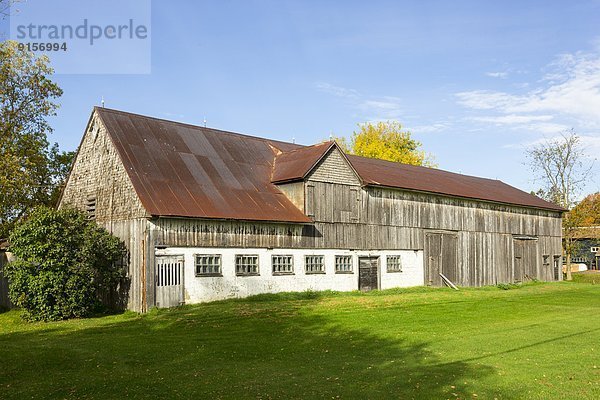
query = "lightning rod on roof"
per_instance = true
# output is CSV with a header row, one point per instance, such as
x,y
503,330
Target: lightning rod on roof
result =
x,y
293,140
205,122
102,102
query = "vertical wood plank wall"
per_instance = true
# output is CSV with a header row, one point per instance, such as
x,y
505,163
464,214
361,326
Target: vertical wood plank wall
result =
x,y
140,268
387,219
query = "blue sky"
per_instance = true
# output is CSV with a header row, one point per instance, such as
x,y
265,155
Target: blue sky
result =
x,y
474,81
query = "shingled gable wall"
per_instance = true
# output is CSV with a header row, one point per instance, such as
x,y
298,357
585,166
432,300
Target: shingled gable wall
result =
x,y
334,168
98,173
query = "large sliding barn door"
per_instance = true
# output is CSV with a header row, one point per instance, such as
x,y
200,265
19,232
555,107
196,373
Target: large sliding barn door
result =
x,y
526,259
169,281
441,256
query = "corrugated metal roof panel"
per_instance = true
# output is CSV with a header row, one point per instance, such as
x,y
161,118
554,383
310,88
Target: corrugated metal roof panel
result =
x,y
295,164
396,175
190,171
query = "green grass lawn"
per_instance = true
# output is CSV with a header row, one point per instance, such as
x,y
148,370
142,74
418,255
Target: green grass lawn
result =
x,y
540,341
587,277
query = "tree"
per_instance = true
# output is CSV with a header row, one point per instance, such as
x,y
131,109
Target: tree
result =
x,y
64,261
386,141
560,164
5,7
31,170
587,211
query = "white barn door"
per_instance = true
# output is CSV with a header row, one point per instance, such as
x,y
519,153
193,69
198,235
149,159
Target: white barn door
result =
x,y
169,281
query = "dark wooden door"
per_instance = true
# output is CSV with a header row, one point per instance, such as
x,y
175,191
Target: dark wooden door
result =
x,y
526,259
441,252
368,273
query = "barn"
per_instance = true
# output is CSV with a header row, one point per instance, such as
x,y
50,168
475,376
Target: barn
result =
x,y
208,215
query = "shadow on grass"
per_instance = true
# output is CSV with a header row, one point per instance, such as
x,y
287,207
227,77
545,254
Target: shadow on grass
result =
x,y
229,350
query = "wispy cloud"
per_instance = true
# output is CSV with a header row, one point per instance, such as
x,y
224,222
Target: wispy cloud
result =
x,y
589,143
501,75
570,88
431,128
372,108
337,90
511,119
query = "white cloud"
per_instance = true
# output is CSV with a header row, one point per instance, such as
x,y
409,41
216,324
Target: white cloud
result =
x,y
589,143
501,75
570,88
511,119
385,107
372,108
337,90
432,128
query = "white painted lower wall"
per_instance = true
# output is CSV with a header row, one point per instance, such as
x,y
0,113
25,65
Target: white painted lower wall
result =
x,y
203,288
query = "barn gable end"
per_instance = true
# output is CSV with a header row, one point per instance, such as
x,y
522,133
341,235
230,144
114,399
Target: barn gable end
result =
x,y
334,168
98,182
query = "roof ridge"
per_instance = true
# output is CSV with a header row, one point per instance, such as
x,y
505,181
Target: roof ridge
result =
x,y
329,142
379,160
104,109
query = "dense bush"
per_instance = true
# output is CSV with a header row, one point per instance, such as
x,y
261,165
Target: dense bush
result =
x,y
63,262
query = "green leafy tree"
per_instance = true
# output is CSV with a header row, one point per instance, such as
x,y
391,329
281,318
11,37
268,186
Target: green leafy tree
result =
x,y
386,141
64,262
31,169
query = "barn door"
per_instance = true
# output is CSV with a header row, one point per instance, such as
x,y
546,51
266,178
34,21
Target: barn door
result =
x,y
169,281
441,254
526,259
368,273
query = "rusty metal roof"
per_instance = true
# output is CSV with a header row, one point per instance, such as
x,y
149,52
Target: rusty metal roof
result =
x,y
182,170
390,174
190,171
295,164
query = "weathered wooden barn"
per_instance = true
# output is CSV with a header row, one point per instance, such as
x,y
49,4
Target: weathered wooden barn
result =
x,y
208,215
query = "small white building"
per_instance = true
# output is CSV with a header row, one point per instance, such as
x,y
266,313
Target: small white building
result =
x,y
209,215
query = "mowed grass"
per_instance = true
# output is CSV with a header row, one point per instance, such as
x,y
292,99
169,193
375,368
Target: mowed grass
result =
x,y
539,341
592,276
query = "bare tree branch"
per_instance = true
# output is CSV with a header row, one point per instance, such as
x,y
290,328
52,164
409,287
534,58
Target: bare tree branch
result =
x,y
5,7
562,167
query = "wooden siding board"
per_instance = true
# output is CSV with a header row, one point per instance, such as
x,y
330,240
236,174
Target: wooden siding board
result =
x,y
334,168
133,234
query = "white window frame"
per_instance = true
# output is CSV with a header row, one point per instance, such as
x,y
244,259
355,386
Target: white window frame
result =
x,y
314,264
393,263
280,268
198,264
344,267
251,268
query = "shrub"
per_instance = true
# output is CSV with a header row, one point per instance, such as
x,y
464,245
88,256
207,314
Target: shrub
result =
x,y
508,286
63,262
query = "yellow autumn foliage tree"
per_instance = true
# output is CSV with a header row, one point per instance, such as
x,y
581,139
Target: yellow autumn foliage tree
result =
x,y
387,141
587,211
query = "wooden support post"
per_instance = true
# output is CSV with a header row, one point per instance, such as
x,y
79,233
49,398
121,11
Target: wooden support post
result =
x,y
448,282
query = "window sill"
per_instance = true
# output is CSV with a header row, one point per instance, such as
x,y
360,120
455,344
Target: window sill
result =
x,y
344,272
208,275
252,274
394,272
315,272
282,273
